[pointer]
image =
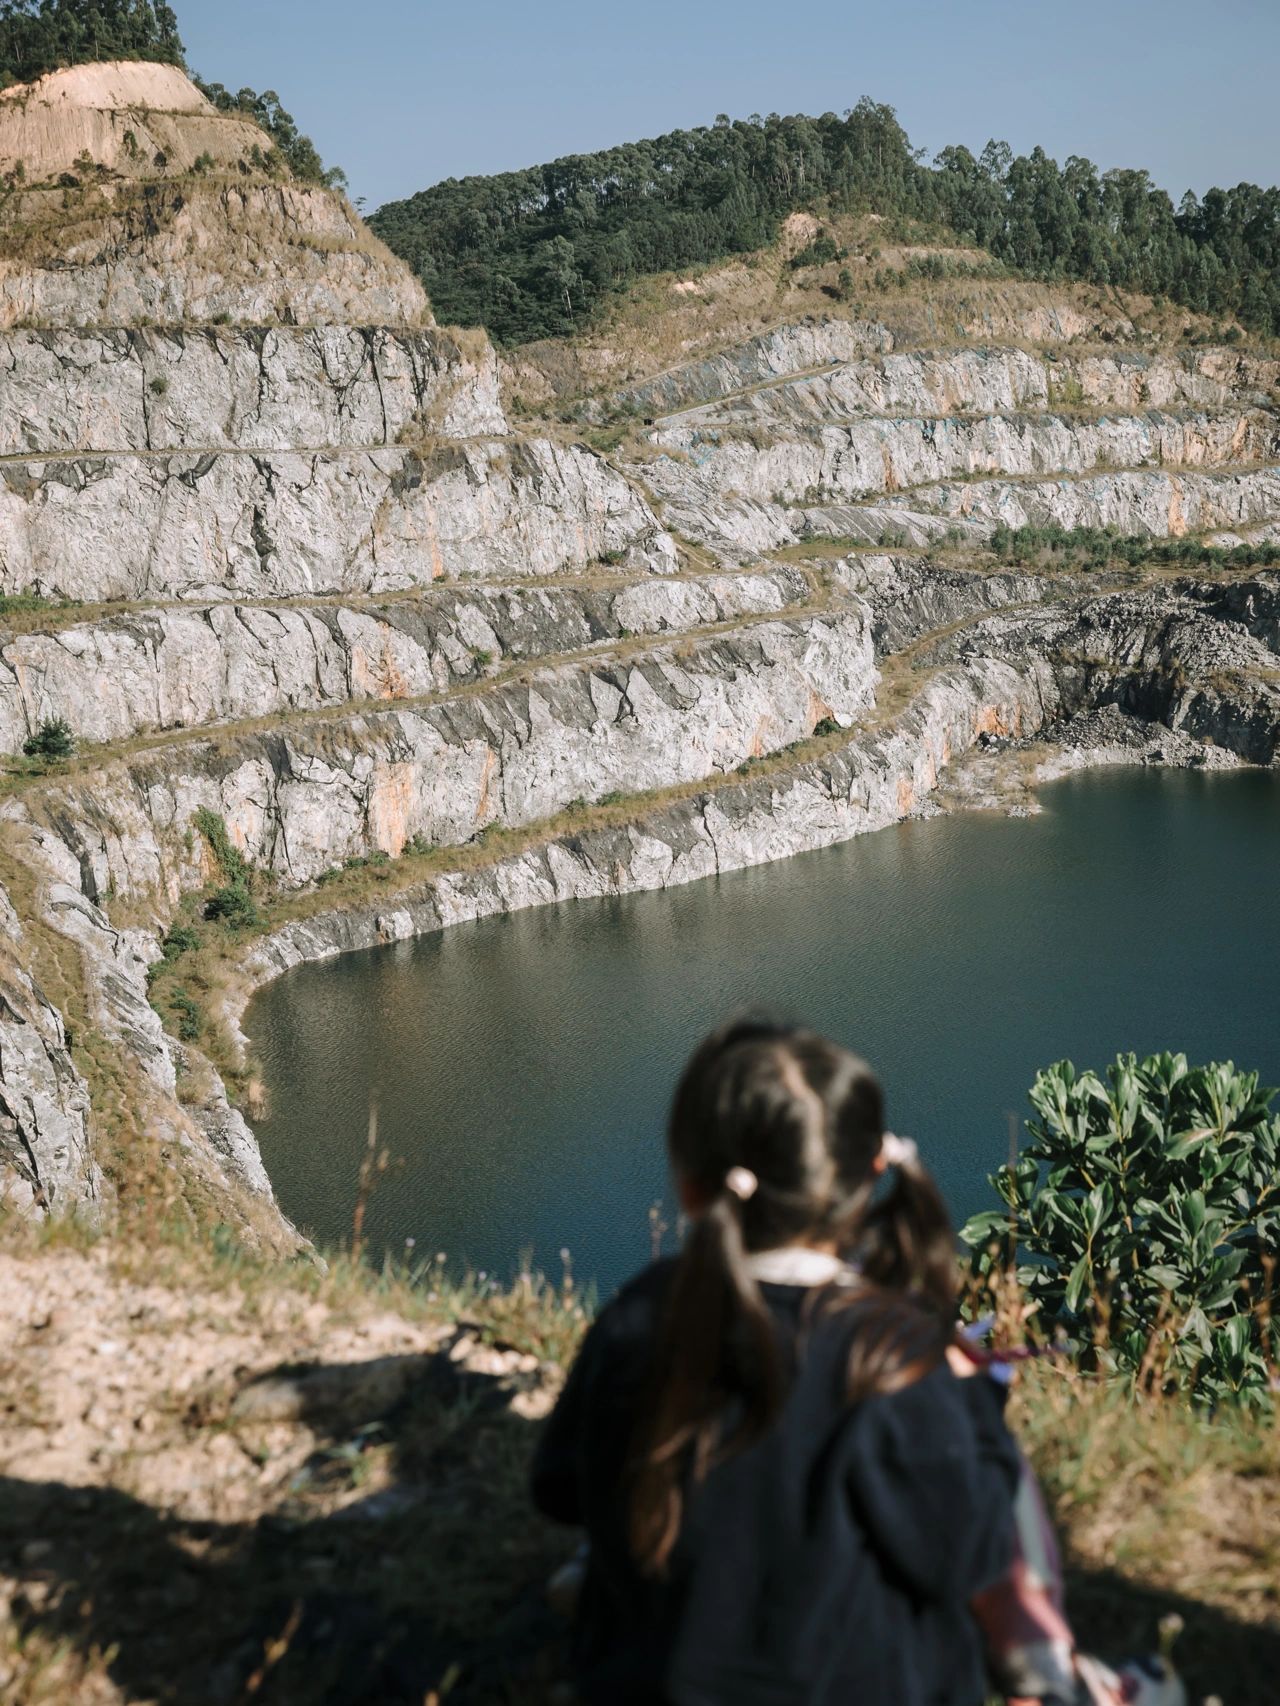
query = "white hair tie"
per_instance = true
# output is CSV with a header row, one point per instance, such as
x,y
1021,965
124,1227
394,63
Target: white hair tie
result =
x,y
742,1183
899,1151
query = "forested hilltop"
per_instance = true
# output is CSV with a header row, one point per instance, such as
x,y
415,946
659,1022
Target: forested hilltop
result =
x,y
39,36
535,253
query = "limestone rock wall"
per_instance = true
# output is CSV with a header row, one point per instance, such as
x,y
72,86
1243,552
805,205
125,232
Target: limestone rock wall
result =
x,y
873,781
891,455
208,389
47,1162
301,800
785,350
162,668
1160,504
995,381
229,524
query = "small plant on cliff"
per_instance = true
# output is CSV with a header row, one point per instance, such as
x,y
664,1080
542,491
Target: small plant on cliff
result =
x,y
51,742
186,1011
230,860
182,938
232,903
1144,1216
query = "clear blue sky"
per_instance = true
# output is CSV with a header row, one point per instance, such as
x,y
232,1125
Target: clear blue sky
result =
x,y
402,93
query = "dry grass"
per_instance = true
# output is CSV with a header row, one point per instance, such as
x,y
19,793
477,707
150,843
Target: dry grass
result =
x,y
668,319
346,1524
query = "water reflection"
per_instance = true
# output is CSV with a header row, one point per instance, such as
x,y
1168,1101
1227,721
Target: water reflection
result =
x,y
522,1064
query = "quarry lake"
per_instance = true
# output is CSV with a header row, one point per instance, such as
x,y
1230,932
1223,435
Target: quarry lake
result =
x,y
522,1065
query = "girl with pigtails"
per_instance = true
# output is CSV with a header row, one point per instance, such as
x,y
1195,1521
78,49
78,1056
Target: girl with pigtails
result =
x,y
794,1489
790,1491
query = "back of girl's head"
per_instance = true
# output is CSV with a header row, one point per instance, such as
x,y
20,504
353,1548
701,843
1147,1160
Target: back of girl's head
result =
x,y
803,1115
775,1133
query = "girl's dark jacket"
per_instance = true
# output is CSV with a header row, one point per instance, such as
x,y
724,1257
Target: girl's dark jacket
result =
x,y
829,1564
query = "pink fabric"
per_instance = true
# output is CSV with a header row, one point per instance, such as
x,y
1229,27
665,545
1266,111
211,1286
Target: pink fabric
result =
x,y
1029,1642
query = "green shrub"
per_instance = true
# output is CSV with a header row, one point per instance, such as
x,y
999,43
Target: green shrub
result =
x,y
1144,1216
363,861
190,1020
826,726
230,860
22,603
159,385
822,250
1095,547
52,741
233,905
181,939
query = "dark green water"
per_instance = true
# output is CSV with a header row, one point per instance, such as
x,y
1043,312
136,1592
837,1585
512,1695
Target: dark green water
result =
x,y
523,1064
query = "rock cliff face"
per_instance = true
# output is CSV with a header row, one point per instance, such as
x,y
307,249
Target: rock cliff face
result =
x,y
280,561
150,669
115,391
281,524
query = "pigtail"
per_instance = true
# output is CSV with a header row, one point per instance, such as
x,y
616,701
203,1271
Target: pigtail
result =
x,y
778,1132
717,1339
906,1242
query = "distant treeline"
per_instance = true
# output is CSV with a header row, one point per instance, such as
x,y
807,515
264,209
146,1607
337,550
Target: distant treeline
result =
x,y
43,35
533,254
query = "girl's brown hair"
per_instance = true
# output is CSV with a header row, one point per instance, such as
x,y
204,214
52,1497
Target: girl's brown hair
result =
x,y
807,1119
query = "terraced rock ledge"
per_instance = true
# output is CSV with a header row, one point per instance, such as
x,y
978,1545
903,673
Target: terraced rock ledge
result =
x,y
348,658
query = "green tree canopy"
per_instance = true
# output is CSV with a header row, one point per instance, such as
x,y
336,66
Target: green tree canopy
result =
x,y
37,36
297,151
491,250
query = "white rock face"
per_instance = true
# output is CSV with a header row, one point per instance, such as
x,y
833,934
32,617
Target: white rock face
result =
x,y
784,351
874,781
891,455
67,392
992,381
227,524
303,800
157,669
47,1162
1226,506
1159,504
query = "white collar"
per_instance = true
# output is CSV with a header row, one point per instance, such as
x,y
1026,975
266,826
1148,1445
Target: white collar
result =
x,y
795,1264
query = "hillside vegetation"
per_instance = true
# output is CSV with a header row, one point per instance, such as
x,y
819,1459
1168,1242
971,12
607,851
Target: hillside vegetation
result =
x,y
535,253
38,36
